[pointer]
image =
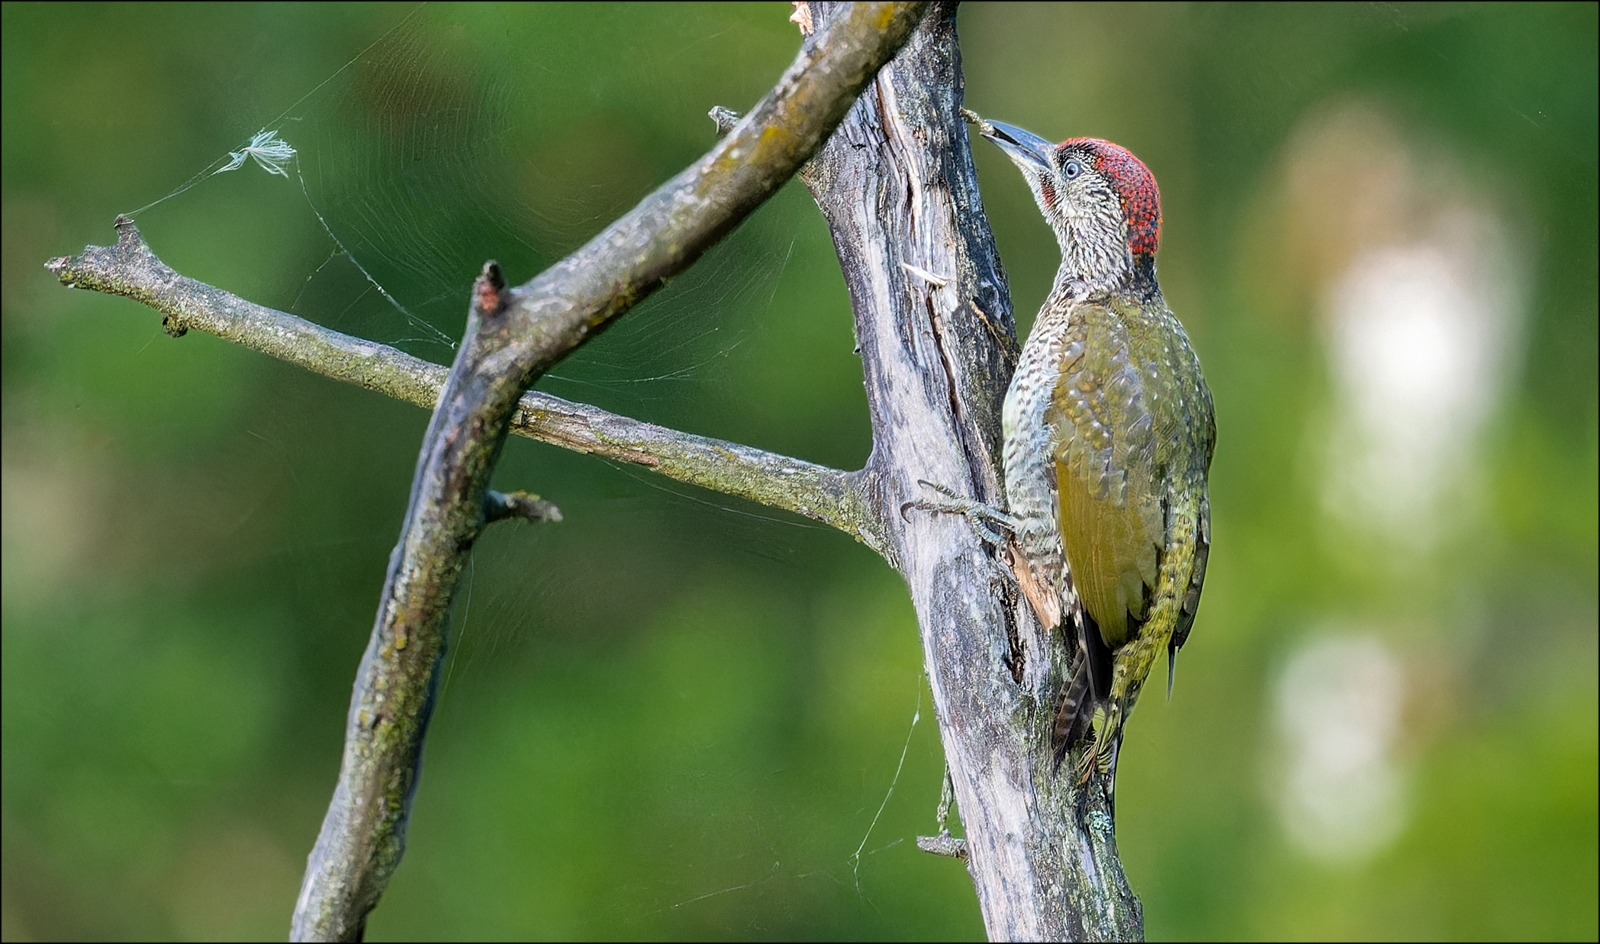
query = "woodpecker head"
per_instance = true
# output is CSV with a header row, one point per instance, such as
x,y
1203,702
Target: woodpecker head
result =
x,y
1101,201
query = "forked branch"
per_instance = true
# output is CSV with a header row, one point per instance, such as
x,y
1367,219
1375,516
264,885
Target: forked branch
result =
x,y
512,336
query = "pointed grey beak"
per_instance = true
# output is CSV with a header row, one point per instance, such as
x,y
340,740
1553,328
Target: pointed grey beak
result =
x,y
1026,149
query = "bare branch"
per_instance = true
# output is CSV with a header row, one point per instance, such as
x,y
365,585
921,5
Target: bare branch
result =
x,y
777,481
131,269
578,296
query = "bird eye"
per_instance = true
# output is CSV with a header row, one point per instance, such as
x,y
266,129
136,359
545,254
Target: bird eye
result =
x,y
1071,169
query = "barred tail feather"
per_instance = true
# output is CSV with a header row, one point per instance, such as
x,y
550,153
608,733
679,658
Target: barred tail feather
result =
x,y
1073,710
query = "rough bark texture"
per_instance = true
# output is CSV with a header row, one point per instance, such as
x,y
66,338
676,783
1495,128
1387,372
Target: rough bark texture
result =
x,y
897,185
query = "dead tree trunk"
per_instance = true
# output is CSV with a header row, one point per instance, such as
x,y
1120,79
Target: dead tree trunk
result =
x,y
937,340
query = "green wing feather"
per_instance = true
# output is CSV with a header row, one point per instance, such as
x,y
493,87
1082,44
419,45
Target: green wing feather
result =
x,y
1109,500
1134,436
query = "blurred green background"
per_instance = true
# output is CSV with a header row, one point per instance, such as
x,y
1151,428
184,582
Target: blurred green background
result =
x,y
676,716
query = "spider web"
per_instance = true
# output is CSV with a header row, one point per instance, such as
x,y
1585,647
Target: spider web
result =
x,y
459,134
429,152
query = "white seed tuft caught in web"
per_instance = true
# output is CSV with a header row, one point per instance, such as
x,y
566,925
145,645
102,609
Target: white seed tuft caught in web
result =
x,y
268,150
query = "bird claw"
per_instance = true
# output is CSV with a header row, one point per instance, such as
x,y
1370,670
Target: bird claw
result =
x,y
1100,753
987,520
1086,766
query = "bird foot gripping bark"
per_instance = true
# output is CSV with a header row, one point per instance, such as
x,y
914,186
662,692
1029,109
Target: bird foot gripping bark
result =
x,y
1078,719
992,524
1100,750
1083,721
998,528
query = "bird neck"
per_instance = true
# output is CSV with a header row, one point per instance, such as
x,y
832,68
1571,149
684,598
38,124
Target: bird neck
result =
x,y
1097,254
1088,273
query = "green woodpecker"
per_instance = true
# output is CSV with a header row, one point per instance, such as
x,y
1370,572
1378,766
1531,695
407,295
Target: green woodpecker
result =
x,y
1108,439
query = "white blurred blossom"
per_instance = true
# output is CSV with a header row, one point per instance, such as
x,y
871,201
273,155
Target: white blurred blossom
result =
x,y
1417,336
1337,707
